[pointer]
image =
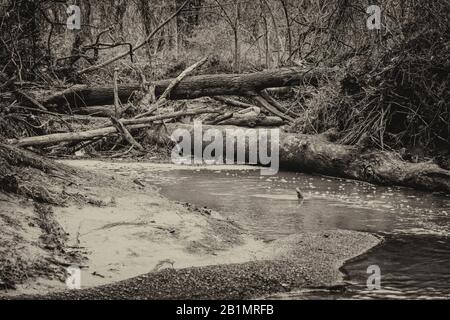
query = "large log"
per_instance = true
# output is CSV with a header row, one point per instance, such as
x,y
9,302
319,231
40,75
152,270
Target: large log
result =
x,y
132,124
192,87
304,153
316,154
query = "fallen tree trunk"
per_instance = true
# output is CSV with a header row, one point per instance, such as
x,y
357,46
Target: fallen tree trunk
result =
x,y
192,87
316,154
24,158
132,124
163,98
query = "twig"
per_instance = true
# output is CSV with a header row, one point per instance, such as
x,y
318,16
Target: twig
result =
x,y
60,116
126,134
233,103
220,118
277,104
120,56
118,155
269,107
163,98
180,78
31,100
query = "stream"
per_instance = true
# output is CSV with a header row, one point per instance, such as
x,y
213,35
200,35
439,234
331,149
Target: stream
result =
x,y
414,259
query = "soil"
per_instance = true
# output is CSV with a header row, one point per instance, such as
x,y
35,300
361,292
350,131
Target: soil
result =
x,y
132,243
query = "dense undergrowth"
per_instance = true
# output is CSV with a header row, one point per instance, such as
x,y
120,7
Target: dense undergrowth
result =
x,y
398,94
391,88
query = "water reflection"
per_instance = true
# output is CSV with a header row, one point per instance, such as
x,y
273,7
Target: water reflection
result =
x,y
415,259
269,207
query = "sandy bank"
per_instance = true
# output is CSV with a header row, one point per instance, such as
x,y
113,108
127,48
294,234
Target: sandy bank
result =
x,y
132,243
118,227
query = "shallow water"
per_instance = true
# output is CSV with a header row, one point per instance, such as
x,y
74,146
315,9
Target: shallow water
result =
x,y
414,260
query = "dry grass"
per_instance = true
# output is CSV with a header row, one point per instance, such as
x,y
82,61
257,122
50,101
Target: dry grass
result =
x,y
396,93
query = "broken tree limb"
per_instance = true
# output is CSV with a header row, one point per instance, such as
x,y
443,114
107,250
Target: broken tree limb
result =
x,y
315,154
116,92
163,98
194,86
277,104
184,74
249,111
233,102
149,37
269,107
158,104
149,97
98,111
253,121
30,101
19,157
83,145
60,116
221,118
132,124
60,100
126,134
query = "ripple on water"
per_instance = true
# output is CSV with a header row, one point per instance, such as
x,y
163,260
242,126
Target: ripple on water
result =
x,y
270,209
414,260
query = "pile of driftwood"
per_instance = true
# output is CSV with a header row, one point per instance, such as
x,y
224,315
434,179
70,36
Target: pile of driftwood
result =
x,y
297,152
109,101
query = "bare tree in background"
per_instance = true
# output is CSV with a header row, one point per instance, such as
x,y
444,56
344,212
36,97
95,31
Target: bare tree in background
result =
x,y
233,17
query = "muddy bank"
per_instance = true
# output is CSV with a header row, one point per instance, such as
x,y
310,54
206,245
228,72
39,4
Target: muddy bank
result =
x,y
307,260
32,245
32,242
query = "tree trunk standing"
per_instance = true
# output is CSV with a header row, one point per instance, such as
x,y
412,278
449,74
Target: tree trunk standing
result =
x,y
288,27
237,44
279,46
21,33
116,92
136,47
233,20
144,9
237,50
84,34
174,33
266,43
120,8
187,21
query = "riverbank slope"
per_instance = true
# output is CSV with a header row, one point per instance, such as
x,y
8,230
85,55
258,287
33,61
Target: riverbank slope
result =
x,y
132,243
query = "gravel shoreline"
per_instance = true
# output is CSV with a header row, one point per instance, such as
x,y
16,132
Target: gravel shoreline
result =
x,y
301,261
